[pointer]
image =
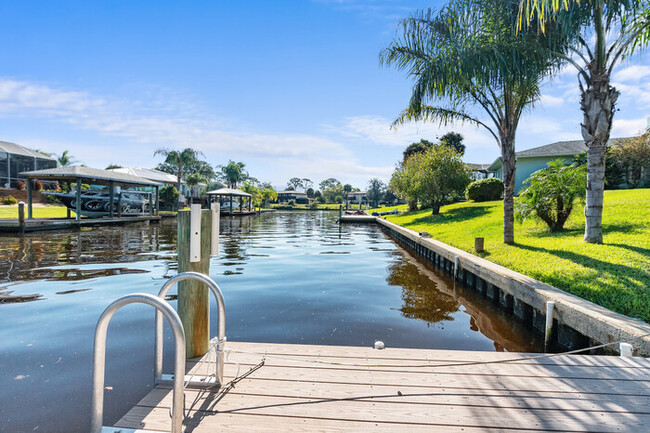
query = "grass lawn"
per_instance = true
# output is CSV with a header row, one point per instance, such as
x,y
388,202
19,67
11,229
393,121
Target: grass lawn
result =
x,y
615,275
7,212
400,207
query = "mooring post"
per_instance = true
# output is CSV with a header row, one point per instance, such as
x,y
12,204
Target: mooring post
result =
x,y
626,350
456,264
479,244
21,217
194,296
550,307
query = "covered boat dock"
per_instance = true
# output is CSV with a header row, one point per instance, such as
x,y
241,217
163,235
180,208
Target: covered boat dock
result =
x,y
78,176
226,196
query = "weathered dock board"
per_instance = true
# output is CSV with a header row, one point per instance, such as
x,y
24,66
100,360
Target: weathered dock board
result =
x,y
304,388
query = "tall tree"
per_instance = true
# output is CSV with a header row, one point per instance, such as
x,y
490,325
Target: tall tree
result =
x,y
233,173
307,183
65,159
603,32
294,183
468,55
417,147
179,160
328,183
376,189
453,140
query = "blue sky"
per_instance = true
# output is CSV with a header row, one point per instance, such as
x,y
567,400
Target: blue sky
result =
x,y
292,88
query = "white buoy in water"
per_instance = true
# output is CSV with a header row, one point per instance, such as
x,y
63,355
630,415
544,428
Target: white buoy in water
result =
x,y
379,345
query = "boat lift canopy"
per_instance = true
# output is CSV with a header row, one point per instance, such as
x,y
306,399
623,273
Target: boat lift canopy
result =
x,y
230,193
79,175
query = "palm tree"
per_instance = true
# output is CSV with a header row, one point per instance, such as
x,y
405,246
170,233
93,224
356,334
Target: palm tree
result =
x,y
603,32
233,173
469,56
179,160
193,180
65,159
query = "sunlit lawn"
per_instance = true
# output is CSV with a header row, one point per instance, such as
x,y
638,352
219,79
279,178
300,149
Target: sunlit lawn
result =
x,y
615,275
37,211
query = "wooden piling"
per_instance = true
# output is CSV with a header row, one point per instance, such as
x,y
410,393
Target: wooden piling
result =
x,y
479,244
194,296
21,217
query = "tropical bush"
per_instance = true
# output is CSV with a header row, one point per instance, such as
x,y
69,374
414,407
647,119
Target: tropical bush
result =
x,y
628,162
38,185
434,176
20,185
9,200
551,193
169,195
485,190
51,199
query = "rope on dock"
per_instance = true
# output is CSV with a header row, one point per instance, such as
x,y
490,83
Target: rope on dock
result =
x,y
428,365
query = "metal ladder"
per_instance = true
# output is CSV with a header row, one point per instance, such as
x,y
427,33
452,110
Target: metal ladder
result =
x,y
217,380
162,309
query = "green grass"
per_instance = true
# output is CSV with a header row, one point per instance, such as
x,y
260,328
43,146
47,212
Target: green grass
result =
x,y
615,274
7,212
400,207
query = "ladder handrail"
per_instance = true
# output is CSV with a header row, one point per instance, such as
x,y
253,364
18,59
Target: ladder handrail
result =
x,y
99,357
221,325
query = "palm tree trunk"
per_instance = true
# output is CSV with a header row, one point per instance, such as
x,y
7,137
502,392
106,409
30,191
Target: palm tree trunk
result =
x,y
597,104
508,167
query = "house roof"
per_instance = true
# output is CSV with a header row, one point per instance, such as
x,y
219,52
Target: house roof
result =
x,y
228,192
147,173
290,191
95,175
356,193
17,149
478,167
559,148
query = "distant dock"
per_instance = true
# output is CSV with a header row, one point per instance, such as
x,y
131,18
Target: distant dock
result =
x,y
302,388
42,224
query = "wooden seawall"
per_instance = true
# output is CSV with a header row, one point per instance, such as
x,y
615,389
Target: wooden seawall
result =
x,y
302,388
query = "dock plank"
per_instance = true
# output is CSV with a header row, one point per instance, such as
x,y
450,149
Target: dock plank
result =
x,y
386,391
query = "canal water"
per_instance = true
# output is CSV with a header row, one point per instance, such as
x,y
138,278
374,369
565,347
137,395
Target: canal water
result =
x,y
287,277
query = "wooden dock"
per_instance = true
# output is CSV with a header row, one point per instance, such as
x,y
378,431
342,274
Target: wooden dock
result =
x,y
304,388
42,224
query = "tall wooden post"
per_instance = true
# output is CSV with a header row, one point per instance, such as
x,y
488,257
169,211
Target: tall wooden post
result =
x,y
21,217
111,197
194,296
29,198
78,204
157,201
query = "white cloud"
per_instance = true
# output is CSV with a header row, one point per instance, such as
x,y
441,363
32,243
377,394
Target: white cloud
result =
x,y
551,101
628,127
377,129
632,73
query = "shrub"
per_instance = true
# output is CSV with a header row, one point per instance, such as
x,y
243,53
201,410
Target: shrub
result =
x,y
9,200
314,205
38,185
551,192
20,185
485,189
51,199
291,203
169,195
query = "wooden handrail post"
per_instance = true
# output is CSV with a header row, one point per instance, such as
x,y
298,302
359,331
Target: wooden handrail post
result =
x,y
194,296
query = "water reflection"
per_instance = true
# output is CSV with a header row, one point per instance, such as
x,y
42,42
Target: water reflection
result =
x,y
287,277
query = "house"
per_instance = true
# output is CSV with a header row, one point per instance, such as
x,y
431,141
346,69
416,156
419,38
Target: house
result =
x,y
478,171
537,158
357,197
15,159
297,196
